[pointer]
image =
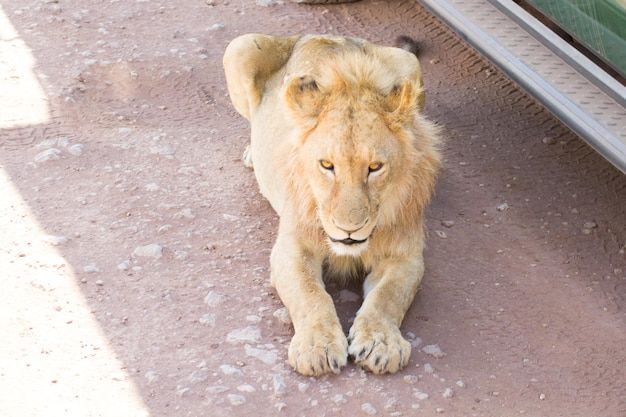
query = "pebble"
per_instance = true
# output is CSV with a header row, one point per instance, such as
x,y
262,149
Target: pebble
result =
x,y
434,351
339,399
447,393
124,265
208,319
368,408
549,141
590,225
48,155
56,240
162,150
185,213
184,392
428,368
230,370
236,400
448,223
420,395
153,250
502,207
90,269
265,356
214,298
217,389
250,334
441,234
460,384
76,150
280,388
282,314
411,379
151,376
246,388
413,340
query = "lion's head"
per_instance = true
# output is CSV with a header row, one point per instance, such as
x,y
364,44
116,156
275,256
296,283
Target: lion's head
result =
x,y
364,159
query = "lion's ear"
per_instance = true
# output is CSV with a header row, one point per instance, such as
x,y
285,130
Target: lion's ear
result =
x,y
404,101
304,98
249,62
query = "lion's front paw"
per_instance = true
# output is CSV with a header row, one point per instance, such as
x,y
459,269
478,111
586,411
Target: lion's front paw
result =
x,y
318,350
378,346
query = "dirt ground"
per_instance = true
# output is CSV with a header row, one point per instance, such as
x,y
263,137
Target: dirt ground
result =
x,y
135,246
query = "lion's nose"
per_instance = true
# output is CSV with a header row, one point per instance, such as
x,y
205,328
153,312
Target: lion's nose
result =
x,y
350,226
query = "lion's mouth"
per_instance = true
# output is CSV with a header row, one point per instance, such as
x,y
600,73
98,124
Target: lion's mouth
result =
x,y
348,241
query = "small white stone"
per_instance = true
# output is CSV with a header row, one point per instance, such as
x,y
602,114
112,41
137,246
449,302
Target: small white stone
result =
x,y
280,388
231,370
338,399
246,388
91,268
153,250
56,240
152,187
441,234
76,150
123,266
214,298
420,395
368,408
184,392
411,379
48,155
236,400
265,356
217,389
447,393
434,351
185,213
460,384
151,376
208,320
250,334
502,207
282,314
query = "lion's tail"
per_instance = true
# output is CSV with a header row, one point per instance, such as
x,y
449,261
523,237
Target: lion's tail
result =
x,y
408,44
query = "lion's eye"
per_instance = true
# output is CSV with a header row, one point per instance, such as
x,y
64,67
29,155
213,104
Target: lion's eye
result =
x,y
327,165
375,166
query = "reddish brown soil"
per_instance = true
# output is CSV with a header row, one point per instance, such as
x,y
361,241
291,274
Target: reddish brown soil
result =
x,y
525,293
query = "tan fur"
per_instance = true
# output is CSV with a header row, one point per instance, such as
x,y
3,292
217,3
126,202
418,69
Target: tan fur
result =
x,y
325,112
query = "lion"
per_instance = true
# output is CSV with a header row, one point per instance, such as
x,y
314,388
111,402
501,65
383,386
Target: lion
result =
x,y
342,152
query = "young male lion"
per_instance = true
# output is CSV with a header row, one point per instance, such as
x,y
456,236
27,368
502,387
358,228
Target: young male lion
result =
x,y
342,153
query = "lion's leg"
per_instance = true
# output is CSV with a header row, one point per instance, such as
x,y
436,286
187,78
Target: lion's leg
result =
x,y
376,343
319,345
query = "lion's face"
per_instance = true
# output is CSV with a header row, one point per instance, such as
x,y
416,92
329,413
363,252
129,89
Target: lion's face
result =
x,y
351,160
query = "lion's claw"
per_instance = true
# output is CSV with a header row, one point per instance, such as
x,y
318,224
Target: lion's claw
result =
x,y
378,348
318,353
